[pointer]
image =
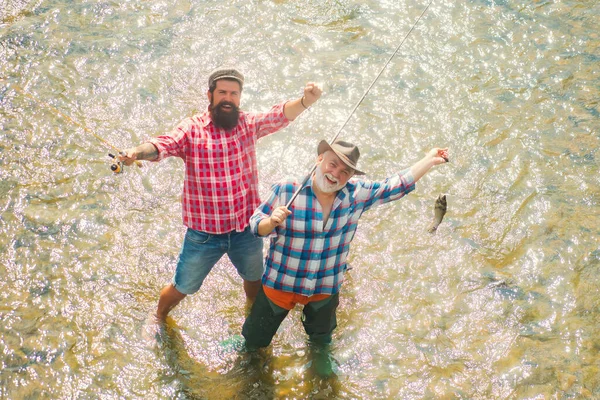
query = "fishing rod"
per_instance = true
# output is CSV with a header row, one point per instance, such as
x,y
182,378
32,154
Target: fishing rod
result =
x,y
358,104
116,166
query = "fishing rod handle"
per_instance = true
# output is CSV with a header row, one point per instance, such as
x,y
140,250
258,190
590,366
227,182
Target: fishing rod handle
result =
x,y
138,163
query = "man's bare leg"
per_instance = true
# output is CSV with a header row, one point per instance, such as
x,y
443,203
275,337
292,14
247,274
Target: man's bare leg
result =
x,y
169,298
251,288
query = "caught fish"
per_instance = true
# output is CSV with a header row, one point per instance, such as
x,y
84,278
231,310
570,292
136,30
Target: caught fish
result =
x,y
439,211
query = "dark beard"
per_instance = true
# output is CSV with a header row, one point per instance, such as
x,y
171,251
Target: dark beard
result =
x,y
224,119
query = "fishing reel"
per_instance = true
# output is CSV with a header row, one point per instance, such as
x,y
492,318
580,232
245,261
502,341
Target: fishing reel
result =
x,y
117,166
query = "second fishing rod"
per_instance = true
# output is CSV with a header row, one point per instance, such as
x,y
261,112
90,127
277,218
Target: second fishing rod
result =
x,y
307,177
116,166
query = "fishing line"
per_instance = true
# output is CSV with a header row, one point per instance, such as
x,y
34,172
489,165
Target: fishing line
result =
x,y
359,102
115,167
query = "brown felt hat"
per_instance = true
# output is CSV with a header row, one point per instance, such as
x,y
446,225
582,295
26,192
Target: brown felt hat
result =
x,y
226,73
347,152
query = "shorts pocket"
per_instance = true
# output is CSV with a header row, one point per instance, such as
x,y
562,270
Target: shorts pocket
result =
x,y
197,237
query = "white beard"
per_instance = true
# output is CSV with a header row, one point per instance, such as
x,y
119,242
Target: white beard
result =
x,y
323,183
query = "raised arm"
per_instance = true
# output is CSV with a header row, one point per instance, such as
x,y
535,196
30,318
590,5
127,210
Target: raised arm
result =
x,y
433,157
293,108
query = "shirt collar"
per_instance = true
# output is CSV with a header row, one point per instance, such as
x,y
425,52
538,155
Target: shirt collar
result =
x,y
205,118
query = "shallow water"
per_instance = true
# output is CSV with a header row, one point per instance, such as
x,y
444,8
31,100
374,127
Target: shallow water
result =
x,y
503,302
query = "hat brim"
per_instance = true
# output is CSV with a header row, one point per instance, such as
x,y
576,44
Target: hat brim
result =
x,y
229,77
324,146
237,78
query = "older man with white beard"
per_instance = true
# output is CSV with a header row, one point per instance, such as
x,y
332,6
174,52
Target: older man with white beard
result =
x,y
309,243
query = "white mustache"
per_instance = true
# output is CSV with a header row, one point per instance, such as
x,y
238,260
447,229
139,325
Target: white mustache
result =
x,y
331,178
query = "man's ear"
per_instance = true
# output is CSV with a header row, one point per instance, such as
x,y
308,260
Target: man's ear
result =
x,y
209,96
319,158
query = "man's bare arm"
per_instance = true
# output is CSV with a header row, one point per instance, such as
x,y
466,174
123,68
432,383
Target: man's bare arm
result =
x,y
293,108
145,151
435,156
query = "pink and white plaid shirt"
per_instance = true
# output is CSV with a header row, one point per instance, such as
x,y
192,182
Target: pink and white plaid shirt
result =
x,y
220,190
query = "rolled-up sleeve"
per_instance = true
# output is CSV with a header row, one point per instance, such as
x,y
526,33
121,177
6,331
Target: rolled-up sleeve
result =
x,y
269,122
380,192
264,211
174,143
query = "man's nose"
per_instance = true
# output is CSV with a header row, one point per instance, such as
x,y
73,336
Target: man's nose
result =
x,y
336,172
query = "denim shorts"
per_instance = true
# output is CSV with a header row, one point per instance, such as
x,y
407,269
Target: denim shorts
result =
x,y
201,251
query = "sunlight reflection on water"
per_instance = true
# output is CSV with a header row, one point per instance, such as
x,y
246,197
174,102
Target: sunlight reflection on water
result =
x,y
500,303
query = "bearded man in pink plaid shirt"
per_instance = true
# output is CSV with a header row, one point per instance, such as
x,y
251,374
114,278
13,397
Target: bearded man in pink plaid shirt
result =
x,y
220,189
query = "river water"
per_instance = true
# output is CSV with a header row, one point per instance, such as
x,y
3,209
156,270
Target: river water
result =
x,y
503,302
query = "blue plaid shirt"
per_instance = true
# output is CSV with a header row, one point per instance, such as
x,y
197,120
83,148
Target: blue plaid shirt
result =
x,y
307,257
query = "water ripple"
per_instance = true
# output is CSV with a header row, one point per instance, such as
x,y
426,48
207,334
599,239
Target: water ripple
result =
x,y
500,303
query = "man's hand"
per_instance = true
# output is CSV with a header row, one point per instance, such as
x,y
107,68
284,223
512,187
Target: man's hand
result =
x,y
312,93
278,216
266,226
128,156
293,108
438,156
